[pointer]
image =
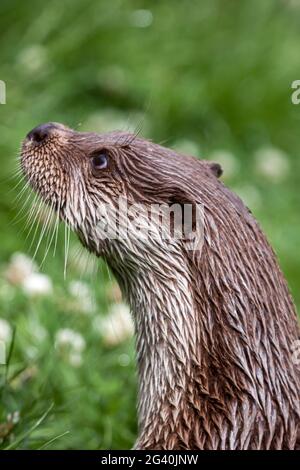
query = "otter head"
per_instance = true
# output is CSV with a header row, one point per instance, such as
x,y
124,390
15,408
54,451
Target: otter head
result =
x,y
93,179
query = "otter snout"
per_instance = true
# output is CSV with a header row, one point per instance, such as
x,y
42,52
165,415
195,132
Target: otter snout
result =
x,y
45,168
40,133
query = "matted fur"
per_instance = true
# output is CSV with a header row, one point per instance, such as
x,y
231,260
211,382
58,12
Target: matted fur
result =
x,y
214,328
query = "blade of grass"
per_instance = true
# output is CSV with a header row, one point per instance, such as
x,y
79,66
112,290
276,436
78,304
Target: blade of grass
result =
x,y
23,436
53,440
11,347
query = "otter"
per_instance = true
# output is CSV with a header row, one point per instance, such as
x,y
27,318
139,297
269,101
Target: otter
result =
x,y
215,326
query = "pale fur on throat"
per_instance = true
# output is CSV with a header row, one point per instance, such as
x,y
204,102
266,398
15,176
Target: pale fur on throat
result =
x,y
166,331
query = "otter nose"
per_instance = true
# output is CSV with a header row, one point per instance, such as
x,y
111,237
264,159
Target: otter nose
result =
x,y
40,133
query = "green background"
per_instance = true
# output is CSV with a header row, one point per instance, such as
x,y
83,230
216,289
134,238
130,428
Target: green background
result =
x,y
209,77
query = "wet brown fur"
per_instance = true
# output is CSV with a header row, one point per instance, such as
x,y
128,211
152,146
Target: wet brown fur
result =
x,y
242,385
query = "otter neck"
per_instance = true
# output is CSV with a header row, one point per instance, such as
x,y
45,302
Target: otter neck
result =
x,y
162,304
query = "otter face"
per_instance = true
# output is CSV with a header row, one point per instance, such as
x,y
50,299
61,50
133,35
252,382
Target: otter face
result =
x,y
73,172
85,176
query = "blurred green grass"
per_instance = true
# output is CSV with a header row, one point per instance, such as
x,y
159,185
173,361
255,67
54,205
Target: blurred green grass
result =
x,y
211,77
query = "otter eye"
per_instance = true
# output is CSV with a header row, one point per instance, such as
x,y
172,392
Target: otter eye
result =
x,y
100,161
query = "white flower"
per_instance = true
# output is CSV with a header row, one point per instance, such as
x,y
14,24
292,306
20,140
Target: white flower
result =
x,y
37,331
113,292
228,162
37,284
33,58
19,268
22,271
117,326
75,359
124,360
293,3
187,147
69,339
7,292
32,352
14,417
272,163
70,344
81,292
5,331
141,18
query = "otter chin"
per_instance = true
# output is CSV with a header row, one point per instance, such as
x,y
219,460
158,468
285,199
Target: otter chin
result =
x,y
215,326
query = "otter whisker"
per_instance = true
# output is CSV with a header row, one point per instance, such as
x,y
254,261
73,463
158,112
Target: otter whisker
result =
x,y
18,217
90,266
39,222
27,216
15,172
10,177
18,168
28,183
21,192
35,223
67,244
21,178
57,226
108,270
32,211
93,262
25,187
49,238
45,225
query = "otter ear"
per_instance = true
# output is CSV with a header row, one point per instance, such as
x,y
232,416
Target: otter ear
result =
x,y
212,167
215,168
